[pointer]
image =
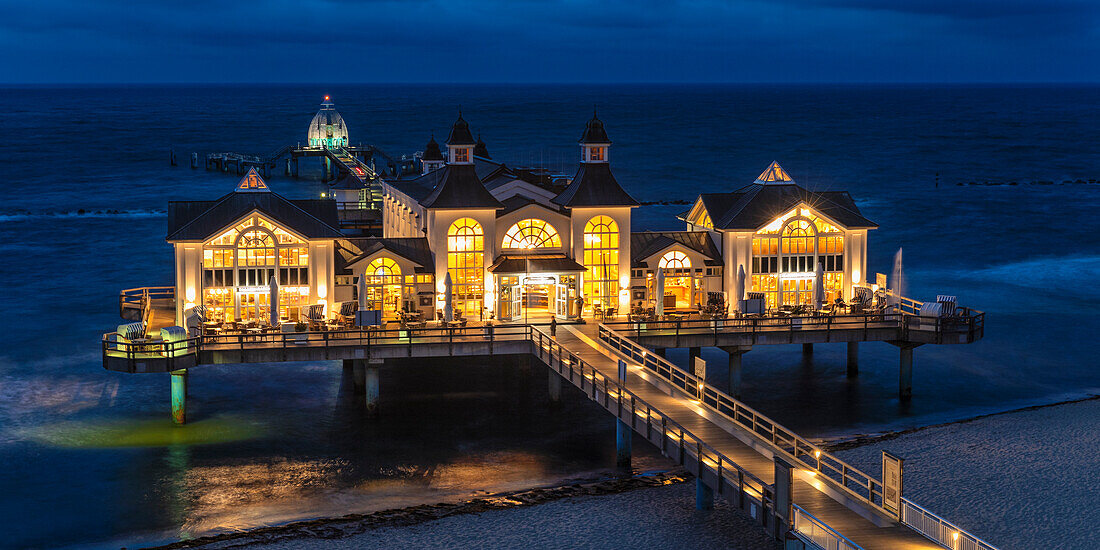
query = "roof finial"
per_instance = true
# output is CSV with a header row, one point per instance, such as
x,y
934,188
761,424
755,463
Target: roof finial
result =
x,y
459,110
594,111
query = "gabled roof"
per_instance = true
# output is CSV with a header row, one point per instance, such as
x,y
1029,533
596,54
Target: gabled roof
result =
x,y
459,187
460,133
413,249
200,220
431,151
252,183
515,202
647,243
774,173
594,132
594,185
349,182
491,174
756,205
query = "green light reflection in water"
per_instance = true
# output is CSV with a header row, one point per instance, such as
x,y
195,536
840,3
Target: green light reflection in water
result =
x,y
147,433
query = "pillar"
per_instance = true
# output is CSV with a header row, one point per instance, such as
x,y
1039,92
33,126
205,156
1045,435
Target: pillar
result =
x,y
692,354
359,375
853,359
704,495
179,397
660,352
784,497
371,386
623,435
735,353
807,349
554,387
905,374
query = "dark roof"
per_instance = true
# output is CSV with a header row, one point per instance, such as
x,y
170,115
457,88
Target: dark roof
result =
x,y
594,132
413,249
200,220
515,202
594,185
480,150
349,182
757,204
535,263
459,187
647,243
431,150
460,133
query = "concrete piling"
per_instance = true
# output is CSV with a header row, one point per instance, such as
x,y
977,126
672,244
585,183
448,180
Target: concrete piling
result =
x,y
905,374
623,436
371,390
693,353
853,359
807,349
704,495
735,353
179,397
554,387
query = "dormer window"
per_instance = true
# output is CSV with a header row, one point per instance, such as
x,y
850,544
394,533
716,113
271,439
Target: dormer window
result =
x,y
462,155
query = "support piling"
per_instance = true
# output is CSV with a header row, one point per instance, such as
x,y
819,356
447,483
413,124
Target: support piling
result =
x,y
623,435
179,397
704,495
853,359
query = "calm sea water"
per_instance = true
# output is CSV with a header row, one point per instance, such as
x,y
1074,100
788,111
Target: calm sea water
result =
x,y
90,458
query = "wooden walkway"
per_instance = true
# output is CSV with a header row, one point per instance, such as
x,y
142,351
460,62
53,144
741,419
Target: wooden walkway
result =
x,y
581,340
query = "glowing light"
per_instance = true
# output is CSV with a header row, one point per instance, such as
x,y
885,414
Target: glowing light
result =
x,y
955,536
817,454
326,98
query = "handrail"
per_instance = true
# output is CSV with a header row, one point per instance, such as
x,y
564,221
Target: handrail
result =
x,y
800,450
819,533
139,297
709,457
938,529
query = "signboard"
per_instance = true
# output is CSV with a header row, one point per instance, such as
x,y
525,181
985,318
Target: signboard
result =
x,y
700,368
622,370
880,280
891,483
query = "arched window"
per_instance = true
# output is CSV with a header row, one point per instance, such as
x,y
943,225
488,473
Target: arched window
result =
x,y
601,257
466,264
675,260
786,253
383,279
532,233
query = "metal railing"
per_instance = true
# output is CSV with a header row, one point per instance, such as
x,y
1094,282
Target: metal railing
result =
x,y
676,441
138,298
818,533
940,530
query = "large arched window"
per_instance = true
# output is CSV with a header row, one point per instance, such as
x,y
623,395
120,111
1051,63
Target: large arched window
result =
x,y
238,266
601,257
786,253
675,260
532,233
383,279
466,264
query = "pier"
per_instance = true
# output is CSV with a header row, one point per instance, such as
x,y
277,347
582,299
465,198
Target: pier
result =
x,y
792,487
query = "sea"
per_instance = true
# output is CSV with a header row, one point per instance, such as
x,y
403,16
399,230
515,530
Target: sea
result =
x,y
990,191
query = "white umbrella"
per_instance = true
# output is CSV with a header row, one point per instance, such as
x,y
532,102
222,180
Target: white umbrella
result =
x,y
740,285
897,280
448,298
659,292
273,304
819,285
361,319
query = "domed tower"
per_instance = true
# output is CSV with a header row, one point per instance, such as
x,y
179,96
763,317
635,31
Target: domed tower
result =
x,y
433,157
327,128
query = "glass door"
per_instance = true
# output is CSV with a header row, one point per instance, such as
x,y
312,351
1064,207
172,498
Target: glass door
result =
x,y
561,301
253,306
797,291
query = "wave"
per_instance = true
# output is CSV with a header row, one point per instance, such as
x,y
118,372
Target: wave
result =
x,y
24,215
1044,272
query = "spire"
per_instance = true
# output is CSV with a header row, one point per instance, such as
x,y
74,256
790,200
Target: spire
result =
x,y
594,132
431,150
774,174
460,133
480,150
594,184
252,183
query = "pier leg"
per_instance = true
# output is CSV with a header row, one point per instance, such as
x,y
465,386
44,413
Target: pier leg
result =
x,y
295,167
853,359
660,352
179,397
554,387
807,349
784,497
692,354
704,496
735,353
623,435
359,375
372,387
905,374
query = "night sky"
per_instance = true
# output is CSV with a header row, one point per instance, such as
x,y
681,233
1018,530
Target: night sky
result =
x,y
550,41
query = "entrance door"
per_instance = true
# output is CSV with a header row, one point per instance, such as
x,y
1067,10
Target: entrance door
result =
x,y
253,306
797,291
561,301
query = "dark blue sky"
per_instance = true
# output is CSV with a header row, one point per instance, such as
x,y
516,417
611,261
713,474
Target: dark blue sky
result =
x,y
550,41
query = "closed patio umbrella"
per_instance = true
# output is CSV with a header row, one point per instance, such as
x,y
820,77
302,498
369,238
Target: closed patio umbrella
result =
x,y
740,290
897,280
363,292
819,286
659,292
273,304
448,298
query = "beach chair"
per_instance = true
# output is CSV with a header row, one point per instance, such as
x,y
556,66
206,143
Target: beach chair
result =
x,y
753,304
313,315
861,299
949,304
346,315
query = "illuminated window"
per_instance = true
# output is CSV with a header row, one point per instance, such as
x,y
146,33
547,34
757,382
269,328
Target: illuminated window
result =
x,y
466,264
384,291
675,260
462,154
601,257
786,253
532,233
596,153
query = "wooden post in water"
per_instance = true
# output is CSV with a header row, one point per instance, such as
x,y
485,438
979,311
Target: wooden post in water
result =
x,y
179,397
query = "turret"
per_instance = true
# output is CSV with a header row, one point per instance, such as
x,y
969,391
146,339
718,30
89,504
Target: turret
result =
x,y
594,142
460,144
433,157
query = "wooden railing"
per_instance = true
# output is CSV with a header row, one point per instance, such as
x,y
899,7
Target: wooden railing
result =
x,y
818,533
677,442
138,298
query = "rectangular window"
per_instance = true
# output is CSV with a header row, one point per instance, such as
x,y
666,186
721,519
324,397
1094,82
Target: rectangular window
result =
x,y
462,155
